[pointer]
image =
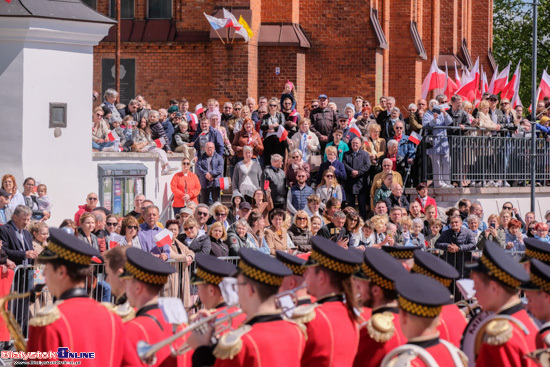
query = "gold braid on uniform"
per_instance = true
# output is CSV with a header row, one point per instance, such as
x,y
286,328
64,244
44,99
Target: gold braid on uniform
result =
x,y
376,278
420,270
418,310
381,327
296,269
500,274
208,277
402,254
259,275
542,256
540,282
69,255
144,276
230,344
332,264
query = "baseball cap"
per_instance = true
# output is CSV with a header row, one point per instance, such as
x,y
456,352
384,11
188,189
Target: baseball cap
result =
x,y
323,96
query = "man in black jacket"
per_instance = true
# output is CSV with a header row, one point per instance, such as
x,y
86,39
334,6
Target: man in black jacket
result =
x,y
459,116
357,164
323,120
276,177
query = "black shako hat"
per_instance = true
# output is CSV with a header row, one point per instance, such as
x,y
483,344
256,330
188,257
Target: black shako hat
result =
x,y
328,254
69,248
432,266
262,268
537,249
145,267
421,295
401,252
380,268
294,263
211,270
497,264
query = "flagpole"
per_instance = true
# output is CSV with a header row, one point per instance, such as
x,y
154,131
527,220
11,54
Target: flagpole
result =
x,y
221,39
534,107
233,38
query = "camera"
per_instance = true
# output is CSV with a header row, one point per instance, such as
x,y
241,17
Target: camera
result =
x,y
436,109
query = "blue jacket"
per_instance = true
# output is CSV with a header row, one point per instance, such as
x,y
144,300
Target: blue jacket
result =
x,y
214,137
338,166
406,148
440,142
203,169
168,129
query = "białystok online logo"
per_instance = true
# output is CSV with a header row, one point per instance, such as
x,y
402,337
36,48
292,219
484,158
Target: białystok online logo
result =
x,y
62,353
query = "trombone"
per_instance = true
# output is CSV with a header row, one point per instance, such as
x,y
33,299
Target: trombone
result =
x,y
147,352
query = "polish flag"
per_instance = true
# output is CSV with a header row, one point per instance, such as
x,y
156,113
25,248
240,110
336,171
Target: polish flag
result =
x,y
354,129
160,142
484,84
113,136
509,90
232,22
544,86
458,81
470,85
114,240
294,113
450,85
282,134
199,109
492,84
434,80
502,80
515,99
193,121
415,138
96,260
224,183
163,238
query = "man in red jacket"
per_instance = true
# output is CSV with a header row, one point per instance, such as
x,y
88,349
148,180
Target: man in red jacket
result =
x,y
91,203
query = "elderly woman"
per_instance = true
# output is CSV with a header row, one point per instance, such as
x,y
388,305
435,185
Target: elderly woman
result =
x,y
276,234
473,225
492,233
247,175
374,144
329,187
299,232
129,230
308,144
184,257
413,123
109,100
247,137
199,244
215,124
541,232
417,238
395,115
217,236
296,163
439,153
100,132
514,237
86,228
185,186
40,234
221,214
237,237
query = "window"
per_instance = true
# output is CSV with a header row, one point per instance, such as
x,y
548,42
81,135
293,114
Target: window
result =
x,y
126,9
159,9
91,3
418,44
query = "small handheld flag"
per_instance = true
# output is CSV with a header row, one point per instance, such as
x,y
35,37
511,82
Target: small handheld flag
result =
x,y
163,238
113,136
224,183
293,113
160,142
354,129
199,109
114,239
282,134
415,138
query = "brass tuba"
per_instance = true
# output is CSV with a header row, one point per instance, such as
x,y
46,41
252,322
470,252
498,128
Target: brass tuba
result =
x,y
9,319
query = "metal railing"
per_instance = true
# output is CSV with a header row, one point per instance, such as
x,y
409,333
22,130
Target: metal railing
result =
x,y
482,158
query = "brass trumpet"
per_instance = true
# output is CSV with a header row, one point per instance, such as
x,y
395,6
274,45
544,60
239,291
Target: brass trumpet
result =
x,y
147,352
9,319
292,294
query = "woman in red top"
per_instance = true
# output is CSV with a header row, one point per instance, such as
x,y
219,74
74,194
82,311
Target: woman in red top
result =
x,y
185,186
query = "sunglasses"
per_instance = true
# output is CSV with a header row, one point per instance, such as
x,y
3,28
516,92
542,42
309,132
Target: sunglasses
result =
x,y
329,176
93,199
133,227
272,105
336,207
314,105
186,164
111,224
398,128
301,218
221,215
238,109
188,228
99,114
203,214
507,207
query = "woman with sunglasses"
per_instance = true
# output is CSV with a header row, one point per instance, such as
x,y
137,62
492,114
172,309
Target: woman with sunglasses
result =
x,y
270,125
111,224
185,186
100,132
129,230
329,187
296,163
300,233
353,226
199,244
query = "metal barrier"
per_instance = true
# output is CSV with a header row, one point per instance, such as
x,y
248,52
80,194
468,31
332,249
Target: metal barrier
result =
x,y
488,158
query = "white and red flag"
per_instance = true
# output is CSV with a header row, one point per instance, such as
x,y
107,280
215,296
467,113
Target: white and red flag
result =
x,y
415,138
160,142
224,183
501,80
282,134
163,238
450,85
458,81
513,85
199,109
113,136
492,84
354,129
544,86
470,84
114,239
231,21
434,80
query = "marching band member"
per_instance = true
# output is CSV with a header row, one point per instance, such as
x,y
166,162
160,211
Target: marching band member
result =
x,y
421,299
75,321
376,282
296,279
537,292
331,321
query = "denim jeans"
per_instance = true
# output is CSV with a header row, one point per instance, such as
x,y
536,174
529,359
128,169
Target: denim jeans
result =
x,y
101,146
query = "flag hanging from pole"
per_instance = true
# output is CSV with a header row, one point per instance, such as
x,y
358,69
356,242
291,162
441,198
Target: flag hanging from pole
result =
x,y
246,26
216,23
231,21
434,80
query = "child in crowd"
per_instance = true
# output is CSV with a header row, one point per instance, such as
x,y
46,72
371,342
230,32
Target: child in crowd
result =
x,y
289,92
124,143
406,225
338,143
180,141
144,143
43,200
367,235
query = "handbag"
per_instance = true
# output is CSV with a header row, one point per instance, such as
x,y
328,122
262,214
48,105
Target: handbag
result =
x,y
314,162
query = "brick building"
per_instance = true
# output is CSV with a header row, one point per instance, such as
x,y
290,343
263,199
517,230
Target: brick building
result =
x,y
339,48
